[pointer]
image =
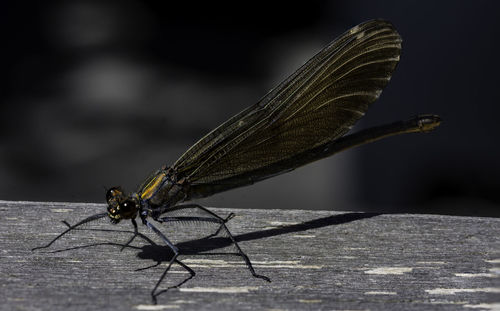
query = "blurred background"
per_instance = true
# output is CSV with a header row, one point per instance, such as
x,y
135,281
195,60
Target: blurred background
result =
x,y
101,93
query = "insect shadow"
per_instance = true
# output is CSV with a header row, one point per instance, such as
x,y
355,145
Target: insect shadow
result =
x,y
207,246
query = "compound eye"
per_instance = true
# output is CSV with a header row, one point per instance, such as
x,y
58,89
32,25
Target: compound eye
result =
x,y
128,206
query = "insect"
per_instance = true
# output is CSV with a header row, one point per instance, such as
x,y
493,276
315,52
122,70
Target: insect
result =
x,y
302,120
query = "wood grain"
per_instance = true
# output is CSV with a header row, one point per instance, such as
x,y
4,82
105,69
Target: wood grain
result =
x,y
317,260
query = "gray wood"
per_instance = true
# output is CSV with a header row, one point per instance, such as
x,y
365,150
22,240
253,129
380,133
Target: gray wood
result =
x,y
317,260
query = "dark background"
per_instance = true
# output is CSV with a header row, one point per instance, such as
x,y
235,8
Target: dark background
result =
x,y
100,93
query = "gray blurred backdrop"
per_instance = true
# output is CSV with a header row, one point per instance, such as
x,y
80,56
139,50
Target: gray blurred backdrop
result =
x,y
101,93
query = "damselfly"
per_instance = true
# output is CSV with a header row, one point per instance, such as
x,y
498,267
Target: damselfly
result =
x,y
302,120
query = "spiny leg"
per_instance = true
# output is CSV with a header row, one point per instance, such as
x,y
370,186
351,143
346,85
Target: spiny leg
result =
x,y
174,259
180,263
201,208
191,275
223,227
229,217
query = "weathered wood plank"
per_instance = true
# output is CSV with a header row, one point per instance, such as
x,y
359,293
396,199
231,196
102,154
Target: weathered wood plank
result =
x,y
317,260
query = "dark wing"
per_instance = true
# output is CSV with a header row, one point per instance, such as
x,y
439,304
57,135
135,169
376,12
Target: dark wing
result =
x,y
319,103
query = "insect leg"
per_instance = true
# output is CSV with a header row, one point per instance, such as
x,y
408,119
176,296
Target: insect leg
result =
x,y
231,215
136,233
86,220
169,244
204,210
174,258
191,272
223,226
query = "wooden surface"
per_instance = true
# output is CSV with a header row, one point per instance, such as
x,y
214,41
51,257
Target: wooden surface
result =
x,y
317,260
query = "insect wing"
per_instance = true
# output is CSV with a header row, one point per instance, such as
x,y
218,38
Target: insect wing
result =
x,y
317,104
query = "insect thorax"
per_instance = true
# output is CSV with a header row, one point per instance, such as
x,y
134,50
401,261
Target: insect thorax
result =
x,y
164,189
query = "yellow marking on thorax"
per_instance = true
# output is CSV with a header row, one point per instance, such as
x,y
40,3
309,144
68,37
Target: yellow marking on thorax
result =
x,y
151,188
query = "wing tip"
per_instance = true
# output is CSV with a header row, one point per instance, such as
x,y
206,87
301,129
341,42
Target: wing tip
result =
x,y
373,25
